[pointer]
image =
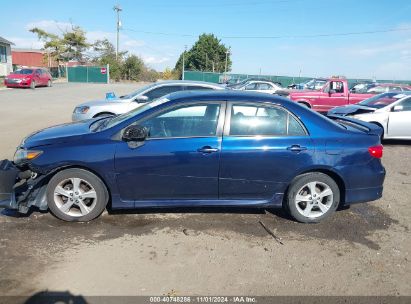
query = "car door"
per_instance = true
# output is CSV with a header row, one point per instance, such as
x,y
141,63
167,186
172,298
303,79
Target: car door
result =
x,y
37,77
265,87
399,120
180,158
264,147
332,95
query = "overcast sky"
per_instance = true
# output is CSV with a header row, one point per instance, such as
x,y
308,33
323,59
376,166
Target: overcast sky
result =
x,y
158,30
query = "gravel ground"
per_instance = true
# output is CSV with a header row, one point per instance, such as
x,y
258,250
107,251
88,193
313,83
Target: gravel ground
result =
x,y
362,250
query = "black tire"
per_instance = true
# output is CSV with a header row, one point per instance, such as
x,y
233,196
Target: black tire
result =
x,y
32,85
99,187
49,83
302,180
100,115
304,104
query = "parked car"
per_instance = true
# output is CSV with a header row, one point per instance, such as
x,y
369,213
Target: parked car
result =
x,y
261,86
312,84
388,87
242,83
362,87
115,106
203,148
391,111
334,93
29,78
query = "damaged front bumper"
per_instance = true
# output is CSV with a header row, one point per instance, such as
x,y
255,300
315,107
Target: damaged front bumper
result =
x,y
20,189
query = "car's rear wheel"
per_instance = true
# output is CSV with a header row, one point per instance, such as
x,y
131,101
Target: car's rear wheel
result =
x,y
312,197
49,83
32,85
76,195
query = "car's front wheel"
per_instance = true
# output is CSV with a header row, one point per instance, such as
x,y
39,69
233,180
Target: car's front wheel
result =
x,y
312,197
76,195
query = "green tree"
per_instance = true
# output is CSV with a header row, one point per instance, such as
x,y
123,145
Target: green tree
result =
x,y
105,53
207,54
132,68
75,44
69,46
52,43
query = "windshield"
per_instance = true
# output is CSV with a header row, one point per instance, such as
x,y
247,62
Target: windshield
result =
x,y
24,71
110,122
382,100
139,91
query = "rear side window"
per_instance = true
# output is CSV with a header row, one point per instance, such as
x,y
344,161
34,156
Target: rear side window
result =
x,y
161,91
197,88
249,120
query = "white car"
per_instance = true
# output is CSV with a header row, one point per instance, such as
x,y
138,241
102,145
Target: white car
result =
x,y
259,86
124,104
391,111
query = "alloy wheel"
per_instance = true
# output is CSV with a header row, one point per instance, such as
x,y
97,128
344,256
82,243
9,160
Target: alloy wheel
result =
x,y
75,197
314,199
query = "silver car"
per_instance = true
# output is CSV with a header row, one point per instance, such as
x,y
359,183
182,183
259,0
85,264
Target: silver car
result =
x,y
124,104
391,111
259,86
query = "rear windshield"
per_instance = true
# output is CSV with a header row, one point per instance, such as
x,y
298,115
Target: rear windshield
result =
x,y
382,100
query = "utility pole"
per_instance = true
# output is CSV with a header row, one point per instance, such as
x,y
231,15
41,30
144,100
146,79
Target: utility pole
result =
x,y
184,53
206,62
118,9
226,62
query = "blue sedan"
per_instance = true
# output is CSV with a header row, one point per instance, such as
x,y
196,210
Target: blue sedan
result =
x,y
201,148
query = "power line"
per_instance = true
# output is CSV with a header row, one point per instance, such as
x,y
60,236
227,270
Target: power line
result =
x,y
224,4
282,36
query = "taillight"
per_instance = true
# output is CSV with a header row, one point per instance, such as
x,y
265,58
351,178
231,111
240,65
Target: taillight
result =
x,y
376,151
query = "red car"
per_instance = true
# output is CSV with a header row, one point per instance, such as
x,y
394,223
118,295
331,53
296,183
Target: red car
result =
x,y
28,78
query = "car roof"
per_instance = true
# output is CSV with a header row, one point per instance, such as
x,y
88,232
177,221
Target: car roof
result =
x,y
188,82
230,95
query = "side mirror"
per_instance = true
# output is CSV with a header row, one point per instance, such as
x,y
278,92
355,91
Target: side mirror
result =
x,y
135,133
397,108
141,99
331,92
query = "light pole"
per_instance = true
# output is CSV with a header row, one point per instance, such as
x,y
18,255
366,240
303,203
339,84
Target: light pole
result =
x,y
118,9
184,53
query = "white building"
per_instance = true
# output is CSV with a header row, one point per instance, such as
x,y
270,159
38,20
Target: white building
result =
x,y
6,65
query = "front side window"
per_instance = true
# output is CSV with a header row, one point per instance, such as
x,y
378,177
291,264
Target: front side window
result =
x,y
199,120
251,86
264,86
161,91
249,120
3,54
406,104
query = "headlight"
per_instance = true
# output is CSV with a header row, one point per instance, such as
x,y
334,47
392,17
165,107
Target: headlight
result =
x,y
21,156
81,110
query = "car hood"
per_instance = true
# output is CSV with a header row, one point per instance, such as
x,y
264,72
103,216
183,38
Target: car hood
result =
x,y
351,110
19,76
104,102
58,134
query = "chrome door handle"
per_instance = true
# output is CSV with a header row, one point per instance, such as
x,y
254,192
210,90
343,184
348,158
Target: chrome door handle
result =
x,y
296,148
207,149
